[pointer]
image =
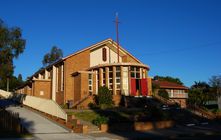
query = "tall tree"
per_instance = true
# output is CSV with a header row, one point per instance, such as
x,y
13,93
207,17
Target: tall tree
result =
x,y
169,79
215,83
11,46
54,55
199,93
14,83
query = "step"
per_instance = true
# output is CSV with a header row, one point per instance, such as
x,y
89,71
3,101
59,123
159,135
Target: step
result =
x,y
91,127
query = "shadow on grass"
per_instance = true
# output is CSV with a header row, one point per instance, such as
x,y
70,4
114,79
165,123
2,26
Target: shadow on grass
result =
x,y
121,120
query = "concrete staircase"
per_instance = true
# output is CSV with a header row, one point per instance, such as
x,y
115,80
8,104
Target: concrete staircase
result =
x,y
80,103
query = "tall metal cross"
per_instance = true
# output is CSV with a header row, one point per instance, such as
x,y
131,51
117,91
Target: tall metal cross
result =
x,y
117,32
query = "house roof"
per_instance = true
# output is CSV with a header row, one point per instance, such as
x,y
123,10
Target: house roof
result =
x,y
168,85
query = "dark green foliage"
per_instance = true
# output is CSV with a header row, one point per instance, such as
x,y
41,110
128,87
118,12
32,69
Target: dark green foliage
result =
x,y
92,106
163,93
215,83
104,98
100,120
14,83
51,57
200,93
169,79
11,46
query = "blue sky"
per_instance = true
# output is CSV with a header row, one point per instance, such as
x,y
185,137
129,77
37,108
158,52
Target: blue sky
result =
x,y
179,38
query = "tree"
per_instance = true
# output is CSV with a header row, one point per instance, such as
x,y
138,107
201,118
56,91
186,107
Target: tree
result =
x,y
199,93
51,57
163,93
169,79
11,46
215,83
14,83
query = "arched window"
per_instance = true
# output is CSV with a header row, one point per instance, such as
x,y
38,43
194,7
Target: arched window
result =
x,y
104,54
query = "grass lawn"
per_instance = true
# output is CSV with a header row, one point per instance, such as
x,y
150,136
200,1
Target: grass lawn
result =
x,y
85,115
116,115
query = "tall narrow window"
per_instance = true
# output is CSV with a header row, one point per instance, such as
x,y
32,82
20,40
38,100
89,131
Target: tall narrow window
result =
x,y
62,77
118,75
111,78
104,54
90,83
104,77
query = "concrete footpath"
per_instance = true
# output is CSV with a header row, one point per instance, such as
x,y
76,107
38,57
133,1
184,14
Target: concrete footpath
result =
x,y
44,129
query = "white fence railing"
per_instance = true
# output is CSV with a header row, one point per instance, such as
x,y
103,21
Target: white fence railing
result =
x,y
43,105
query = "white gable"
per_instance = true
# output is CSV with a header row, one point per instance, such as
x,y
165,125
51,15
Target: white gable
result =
x,y
96,57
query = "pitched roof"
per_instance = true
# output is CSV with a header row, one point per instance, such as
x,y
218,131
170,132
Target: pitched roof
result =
x,y
94,46
109,40
169,85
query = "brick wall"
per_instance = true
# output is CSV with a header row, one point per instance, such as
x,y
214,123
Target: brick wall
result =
x,y
149,82
128,58
84,84
42,88
72,64
77,88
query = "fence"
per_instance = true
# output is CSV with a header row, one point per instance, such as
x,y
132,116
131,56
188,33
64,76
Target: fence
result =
x,y
10,122
40,104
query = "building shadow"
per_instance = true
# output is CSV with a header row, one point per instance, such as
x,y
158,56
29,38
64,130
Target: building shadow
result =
x,y
124,126
122,119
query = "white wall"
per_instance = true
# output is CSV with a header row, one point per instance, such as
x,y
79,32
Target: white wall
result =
x,y
125,82
96,57
44,105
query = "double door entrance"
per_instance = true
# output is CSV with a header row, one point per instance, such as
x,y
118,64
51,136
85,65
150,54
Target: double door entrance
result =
x,y
138,87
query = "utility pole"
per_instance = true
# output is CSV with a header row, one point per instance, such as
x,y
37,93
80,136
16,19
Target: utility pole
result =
x,y
116,22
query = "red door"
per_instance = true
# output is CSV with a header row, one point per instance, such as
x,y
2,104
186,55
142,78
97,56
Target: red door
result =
x,y
133,87
144,88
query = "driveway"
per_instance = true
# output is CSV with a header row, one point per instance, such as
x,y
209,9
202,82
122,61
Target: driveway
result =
x,y
43,128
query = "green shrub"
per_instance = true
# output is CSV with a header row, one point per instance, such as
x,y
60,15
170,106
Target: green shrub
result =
x,y
92,105
104,97
163,93
100,120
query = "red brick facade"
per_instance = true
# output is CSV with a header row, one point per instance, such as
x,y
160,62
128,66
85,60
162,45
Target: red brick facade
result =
x,y
80,74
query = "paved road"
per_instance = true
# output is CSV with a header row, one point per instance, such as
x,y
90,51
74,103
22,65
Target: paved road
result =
x,y
45,129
